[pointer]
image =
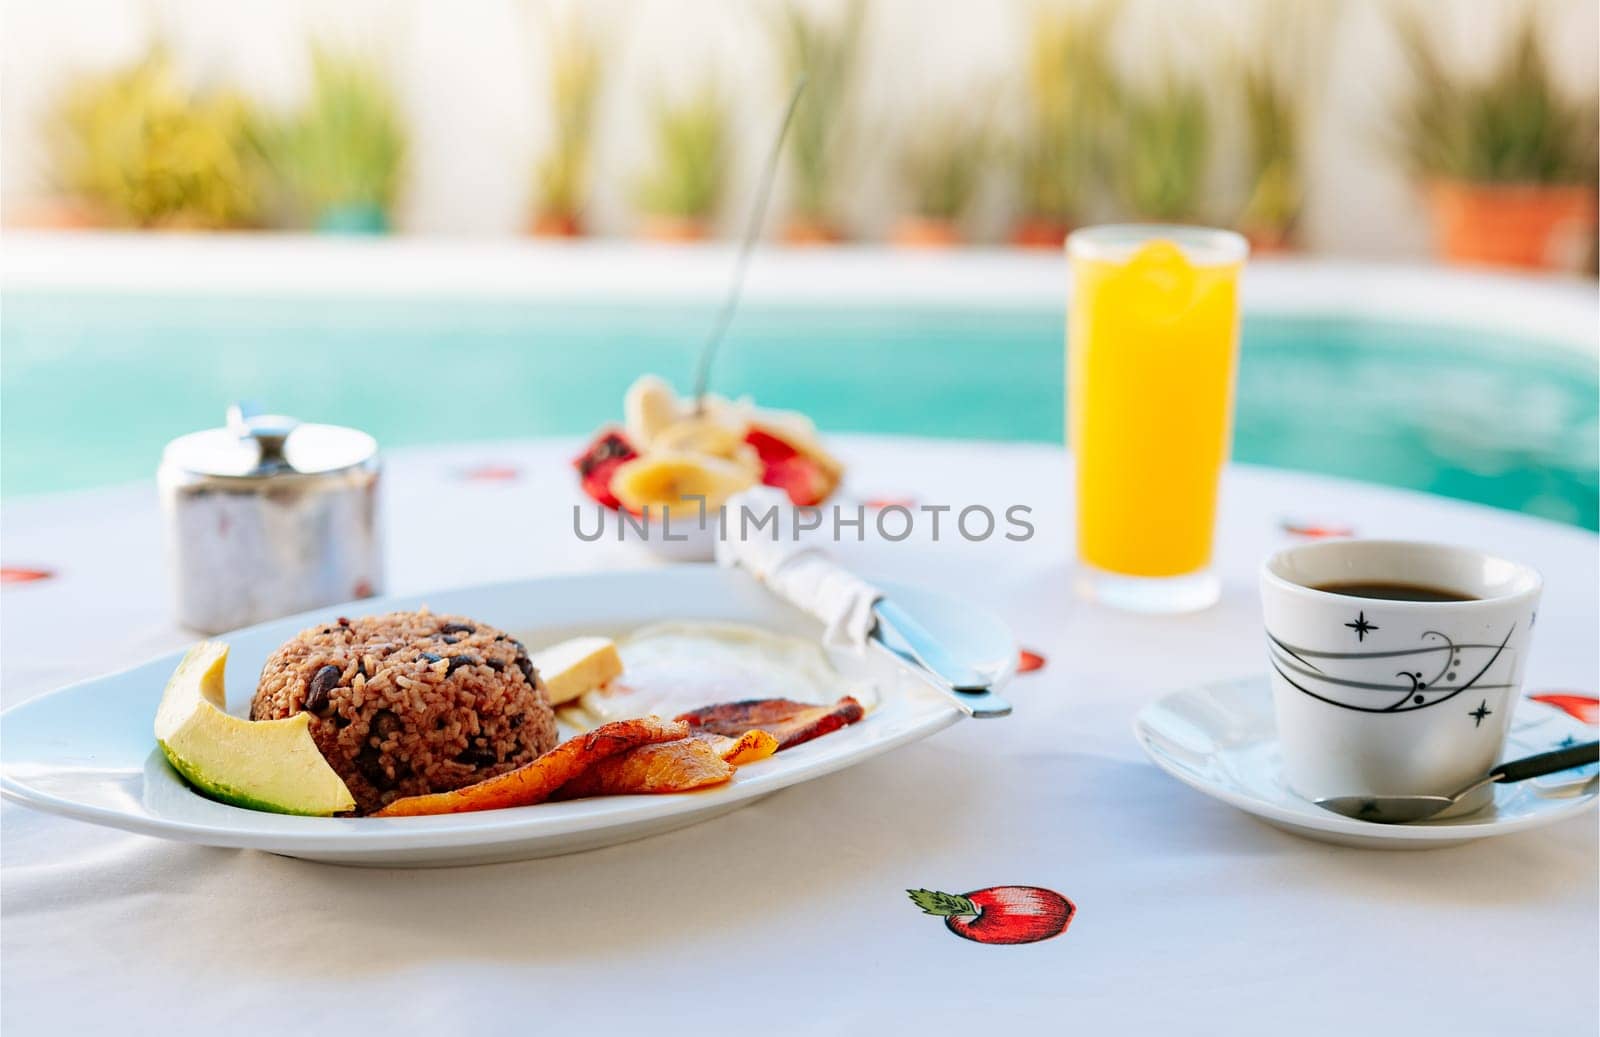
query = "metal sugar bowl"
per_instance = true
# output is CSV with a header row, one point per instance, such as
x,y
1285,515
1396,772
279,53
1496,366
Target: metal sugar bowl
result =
x,y
267,517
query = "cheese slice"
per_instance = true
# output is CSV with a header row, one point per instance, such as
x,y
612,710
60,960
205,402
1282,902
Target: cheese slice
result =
x,y
576,667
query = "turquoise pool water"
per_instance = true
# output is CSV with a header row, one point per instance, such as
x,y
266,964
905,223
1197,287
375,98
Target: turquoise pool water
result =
x,y
92,386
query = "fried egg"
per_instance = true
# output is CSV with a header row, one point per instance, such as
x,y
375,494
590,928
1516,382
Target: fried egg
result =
x,y
671,668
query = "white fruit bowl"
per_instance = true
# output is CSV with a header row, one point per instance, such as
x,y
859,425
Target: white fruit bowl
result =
x,y
690,541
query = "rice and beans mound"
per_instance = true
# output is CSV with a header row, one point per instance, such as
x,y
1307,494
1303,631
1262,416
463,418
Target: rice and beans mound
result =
x,y
410,702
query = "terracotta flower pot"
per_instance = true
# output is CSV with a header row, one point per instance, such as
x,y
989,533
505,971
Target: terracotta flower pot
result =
x,y
810,230
1535,226
56,213
555,225
675,229
923,232
1040,232
1275,241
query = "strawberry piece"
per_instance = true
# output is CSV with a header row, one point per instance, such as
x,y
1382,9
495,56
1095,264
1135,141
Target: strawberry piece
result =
x,y
597,484
799,477
770,448
784,465
599,461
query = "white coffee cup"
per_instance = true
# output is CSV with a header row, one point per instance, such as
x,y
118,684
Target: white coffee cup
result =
x,y
1394,697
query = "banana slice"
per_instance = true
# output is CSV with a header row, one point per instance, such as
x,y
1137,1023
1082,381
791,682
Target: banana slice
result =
x,y
659,480
700,436
649,407
748,459
733,413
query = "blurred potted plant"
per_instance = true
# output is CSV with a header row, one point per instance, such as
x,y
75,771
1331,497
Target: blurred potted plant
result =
x,y
561,179
1508,162
1276,83
342,155
141,150
1276,174
1165,149
1069,93
827,54
681,194
941,166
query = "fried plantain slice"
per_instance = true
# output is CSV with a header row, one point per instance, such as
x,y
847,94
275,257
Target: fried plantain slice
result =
x,y
790,722
688,763
747,748
671,766
535,782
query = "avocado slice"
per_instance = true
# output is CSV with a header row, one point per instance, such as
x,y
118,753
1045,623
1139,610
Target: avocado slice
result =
x,y
262,764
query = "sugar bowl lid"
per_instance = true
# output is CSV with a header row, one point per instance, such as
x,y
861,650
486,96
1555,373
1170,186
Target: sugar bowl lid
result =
x,y
254,445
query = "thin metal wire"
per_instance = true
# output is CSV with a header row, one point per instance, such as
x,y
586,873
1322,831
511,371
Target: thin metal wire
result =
x,y
758,212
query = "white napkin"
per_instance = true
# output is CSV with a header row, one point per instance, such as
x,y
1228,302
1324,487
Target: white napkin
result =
x,y
788,560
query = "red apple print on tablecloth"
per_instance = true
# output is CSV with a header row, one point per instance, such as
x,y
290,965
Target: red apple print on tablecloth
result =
x,y
999,914
21,574
1027,661
1315,530
1585,708
491,473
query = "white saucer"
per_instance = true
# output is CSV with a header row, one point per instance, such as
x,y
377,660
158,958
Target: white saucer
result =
x,y
1221,739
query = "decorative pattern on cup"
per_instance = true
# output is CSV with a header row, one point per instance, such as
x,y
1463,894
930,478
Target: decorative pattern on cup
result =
x,y
1430,670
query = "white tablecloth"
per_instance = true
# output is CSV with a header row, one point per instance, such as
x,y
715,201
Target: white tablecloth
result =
x,y
791,915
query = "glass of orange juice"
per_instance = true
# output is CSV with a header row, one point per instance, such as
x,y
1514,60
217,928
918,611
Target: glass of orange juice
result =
x,y
1152,343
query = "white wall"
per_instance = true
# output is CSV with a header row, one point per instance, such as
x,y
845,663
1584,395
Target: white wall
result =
x,y
470,74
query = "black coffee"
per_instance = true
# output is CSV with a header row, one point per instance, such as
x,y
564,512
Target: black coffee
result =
x,y
1394,591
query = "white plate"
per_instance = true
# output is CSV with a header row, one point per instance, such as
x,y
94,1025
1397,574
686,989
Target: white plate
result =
x,y
87,751
1220,738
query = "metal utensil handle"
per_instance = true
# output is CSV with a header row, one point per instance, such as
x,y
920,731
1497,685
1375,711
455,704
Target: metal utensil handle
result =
x,y
758,212
981,705
1547,763
898,634
928,650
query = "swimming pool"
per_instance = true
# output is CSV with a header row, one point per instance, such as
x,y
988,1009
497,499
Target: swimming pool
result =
x,y
93,384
